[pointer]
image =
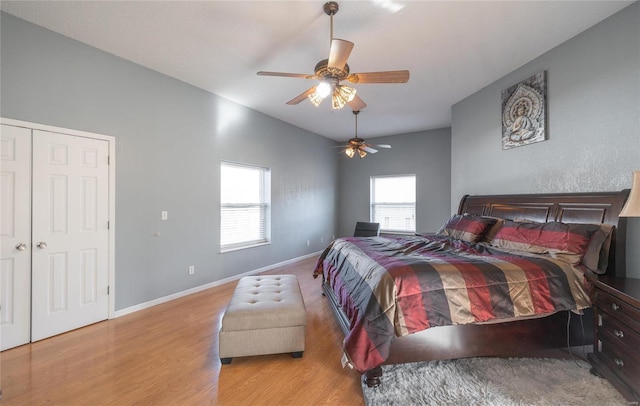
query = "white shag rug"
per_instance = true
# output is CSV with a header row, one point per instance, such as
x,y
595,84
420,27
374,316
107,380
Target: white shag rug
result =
x,y
492,381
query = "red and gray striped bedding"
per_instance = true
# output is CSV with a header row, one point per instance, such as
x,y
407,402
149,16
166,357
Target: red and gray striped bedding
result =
x,y
394,286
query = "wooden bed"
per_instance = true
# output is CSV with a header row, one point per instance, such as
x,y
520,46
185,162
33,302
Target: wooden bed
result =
x,y
515,338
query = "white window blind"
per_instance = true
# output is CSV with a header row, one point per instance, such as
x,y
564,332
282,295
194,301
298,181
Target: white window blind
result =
x,y
393,202
245,205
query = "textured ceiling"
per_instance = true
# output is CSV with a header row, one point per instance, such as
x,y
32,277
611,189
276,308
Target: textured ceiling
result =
x,y
452,48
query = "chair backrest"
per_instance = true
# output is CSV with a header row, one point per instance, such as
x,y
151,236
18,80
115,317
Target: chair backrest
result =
x,y
364,229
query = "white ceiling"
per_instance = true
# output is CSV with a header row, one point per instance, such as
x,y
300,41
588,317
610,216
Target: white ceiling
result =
x,y
452,48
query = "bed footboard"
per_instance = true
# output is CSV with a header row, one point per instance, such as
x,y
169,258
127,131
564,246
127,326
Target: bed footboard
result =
x,y
521,338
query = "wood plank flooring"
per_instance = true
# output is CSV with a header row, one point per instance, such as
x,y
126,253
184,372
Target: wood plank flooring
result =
x,y
168,355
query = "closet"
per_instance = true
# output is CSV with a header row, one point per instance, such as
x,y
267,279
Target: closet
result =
x,y
56,230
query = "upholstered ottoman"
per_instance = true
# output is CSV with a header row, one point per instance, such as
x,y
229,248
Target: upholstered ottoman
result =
x,y
266,315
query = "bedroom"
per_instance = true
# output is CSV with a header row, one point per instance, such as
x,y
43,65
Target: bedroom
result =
x,y
593,118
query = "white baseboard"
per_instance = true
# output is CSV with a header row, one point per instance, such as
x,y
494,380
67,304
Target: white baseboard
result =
x,y
164,299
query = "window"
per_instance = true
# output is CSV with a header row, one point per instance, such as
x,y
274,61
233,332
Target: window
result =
x,y
245,197
393,202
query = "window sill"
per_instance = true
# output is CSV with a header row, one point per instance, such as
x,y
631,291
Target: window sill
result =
x,y
225,250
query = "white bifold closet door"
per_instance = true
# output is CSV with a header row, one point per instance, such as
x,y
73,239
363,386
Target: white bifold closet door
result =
x,y
15,236
69,242
70,233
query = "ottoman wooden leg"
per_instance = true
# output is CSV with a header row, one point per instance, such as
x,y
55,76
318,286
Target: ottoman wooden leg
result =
x,y
297,354
225,361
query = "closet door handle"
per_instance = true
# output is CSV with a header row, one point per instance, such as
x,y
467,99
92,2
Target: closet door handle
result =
x,y
21,246
42,245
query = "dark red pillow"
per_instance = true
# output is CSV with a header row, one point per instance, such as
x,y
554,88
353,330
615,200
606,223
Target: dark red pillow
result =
x,y
564,241
467,227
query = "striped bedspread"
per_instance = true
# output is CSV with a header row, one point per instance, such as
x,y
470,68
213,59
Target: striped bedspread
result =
x,y
394,286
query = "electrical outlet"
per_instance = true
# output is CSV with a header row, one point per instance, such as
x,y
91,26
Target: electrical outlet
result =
x,y
321,240
308,242
164,215
192,270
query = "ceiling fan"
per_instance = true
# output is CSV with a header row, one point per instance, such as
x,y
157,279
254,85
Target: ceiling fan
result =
x,y
357,145
330,72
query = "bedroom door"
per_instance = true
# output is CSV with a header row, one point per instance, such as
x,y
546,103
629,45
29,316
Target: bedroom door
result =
x,y
15,236
70,233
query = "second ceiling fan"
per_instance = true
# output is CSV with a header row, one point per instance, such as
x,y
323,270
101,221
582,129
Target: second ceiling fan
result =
x,y
357,146
330,72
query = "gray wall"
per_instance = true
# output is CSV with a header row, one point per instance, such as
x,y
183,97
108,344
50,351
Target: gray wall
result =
x,y
426,154
593,91
170,138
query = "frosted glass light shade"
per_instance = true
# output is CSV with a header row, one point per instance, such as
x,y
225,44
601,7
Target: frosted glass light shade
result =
x,y
315,98
337,102
346,92
349,152
342,95
632,207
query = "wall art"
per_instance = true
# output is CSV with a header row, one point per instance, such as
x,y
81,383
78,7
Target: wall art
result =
x,y
524,112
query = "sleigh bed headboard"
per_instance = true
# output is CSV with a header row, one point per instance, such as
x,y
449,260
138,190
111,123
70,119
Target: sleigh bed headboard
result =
x,y
595,207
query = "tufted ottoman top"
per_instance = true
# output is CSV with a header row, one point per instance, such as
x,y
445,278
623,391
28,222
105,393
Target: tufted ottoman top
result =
x,y
266,301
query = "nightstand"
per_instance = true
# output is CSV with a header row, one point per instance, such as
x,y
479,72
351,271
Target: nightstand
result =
x,y
616,352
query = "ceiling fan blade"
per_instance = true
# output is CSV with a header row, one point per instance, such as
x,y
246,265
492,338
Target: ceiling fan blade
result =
x,y
369,149
302,96
287,75
391,76
339,53
381,145
357,103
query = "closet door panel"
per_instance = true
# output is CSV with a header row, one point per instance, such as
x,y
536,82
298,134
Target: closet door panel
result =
x,y
70,233
15,236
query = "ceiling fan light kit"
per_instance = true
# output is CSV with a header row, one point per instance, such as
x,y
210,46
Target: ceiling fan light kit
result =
x,y
341,94
329,72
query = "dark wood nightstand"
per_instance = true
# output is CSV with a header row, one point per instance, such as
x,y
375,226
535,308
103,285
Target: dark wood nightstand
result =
x,y
616,352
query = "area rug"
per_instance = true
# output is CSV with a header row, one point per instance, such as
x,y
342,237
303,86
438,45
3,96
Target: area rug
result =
x,y
492,381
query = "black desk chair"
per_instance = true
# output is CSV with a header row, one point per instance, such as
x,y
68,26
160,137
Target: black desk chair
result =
x,y
364,229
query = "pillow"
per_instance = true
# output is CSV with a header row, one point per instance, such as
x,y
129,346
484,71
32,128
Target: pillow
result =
x,y
565,241
597,256
467,227
491,234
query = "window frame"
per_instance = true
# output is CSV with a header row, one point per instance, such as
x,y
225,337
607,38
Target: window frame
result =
x,y
373,204
264,208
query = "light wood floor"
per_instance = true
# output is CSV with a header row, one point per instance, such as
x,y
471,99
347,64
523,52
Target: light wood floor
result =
x,y
168,355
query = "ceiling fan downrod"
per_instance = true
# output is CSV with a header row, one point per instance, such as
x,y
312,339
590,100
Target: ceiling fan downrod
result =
x,y
355,113
330,9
